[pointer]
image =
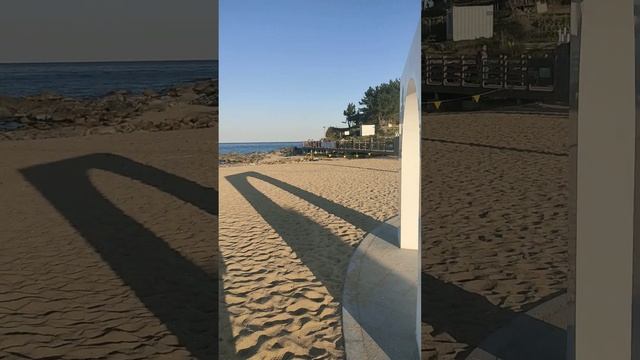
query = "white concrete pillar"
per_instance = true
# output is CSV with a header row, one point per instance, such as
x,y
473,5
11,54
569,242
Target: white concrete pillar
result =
x,y
410,171
410,155
410,194
605,322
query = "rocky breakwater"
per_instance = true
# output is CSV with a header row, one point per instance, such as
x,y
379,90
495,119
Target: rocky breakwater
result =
x,y
282,156
188,106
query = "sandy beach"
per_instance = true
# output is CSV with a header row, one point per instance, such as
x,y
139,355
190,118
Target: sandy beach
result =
x,y
495,223
287,232
108,246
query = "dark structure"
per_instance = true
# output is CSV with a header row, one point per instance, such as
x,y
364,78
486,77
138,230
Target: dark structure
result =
x,y
373,146
529,64
536,77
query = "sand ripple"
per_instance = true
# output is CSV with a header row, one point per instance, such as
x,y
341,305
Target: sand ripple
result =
x,y
67,295
495,224
285,255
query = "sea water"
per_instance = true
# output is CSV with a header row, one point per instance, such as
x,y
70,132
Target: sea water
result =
x,y
95,79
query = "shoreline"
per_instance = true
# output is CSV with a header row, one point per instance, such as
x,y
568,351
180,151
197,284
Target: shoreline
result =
x,y
48,115
282,156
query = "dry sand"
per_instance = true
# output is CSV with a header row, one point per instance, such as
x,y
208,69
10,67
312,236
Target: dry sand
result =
x,y
286,234
495,224
107,246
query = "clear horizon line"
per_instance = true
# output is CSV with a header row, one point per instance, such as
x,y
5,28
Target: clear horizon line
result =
x,y
97,61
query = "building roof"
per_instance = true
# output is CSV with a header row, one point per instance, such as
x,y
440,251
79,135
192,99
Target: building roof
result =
x,y
473,2
457,2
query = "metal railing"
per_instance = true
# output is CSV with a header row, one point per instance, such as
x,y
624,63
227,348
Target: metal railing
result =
x,y
373,145
519,73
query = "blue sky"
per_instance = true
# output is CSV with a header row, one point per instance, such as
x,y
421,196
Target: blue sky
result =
x,y
289,67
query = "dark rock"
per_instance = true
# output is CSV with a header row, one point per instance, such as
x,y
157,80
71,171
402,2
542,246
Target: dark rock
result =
x,y
5,113
42,117
205,100
51,115
125,128
157,105
101,130
146,125
61,116
48,95
200,87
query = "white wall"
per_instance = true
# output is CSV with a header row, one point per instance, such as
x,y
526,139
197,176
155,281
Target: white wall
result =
x,y
367,130
471,22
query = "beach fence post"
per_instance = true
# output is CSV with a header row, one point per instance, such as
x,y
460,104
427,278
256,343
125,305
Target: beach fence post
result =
x,y
410,164
604,278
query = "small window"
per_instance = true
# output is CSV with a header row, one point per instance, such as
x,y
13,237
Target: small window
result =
x,y
545,72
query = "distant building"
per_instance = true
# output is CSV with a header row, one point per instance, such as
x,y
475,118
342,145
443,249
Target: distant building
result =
x,y
456,20
367,130
542,7
531,6
470,22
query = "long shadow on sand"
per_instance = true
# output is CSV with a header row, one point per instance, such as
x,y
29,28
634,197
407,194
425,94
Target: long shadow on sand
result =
x,y
497,147
313,254
470,318
180,294
314,244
